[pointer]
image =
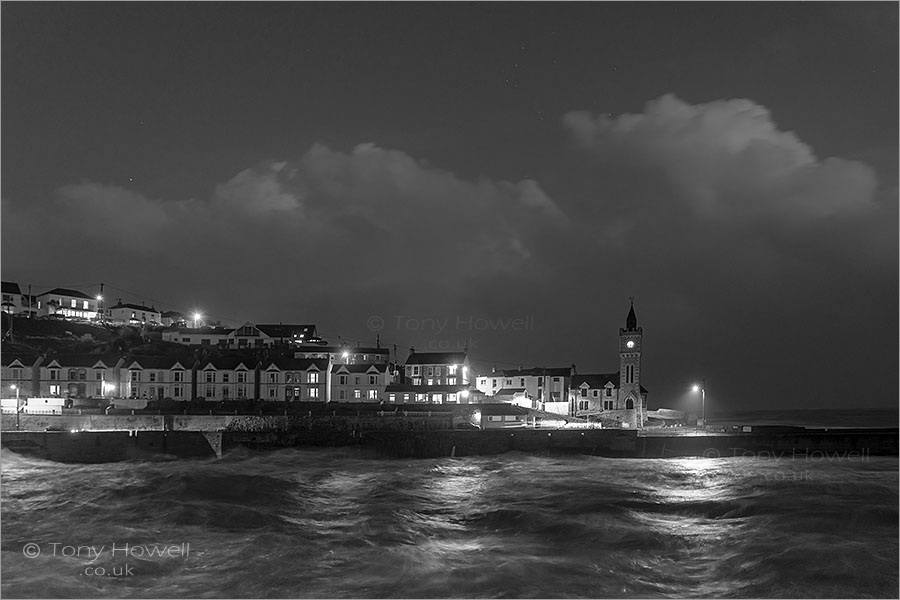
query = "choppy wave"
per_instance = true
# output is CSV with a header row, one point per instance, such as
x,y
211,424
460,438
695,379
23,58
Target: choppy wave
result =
x,y
335,523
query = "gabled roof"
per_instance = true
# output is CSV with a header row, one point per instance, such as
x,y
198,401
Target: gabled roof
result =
x,y
10,287
83,360
595,380
65,292
360,368
296,364
134,307
26,360
229,364
282,330
153,362
509,391
436,358
201,330
535,372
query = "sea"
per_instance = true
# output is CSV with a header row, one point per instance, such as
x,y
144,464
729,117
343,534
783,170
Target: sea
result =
x,y
341,523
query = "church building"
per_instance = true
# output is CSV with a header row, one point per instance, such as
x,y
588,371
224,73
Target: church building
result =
x,y
615,399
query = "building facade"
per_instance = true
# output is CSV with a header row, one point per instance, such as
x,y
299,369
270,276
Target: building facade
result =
x,y
295,380
540,388
132,314
615,399
156,378
67,303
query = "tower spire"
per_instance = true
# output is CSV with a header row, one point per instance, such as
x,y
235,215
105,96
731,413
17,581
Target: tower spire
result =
x,y
631,319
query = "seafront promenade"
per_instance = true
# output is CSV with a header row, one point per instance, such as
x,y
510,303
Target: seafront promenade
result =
x,y
101,438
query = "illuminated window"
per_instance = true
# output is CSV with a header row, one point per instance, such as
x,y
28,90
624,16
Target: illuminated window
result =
x,y
74,303
357,394
313,378
314,392
451,381
54,390
85,305
451,370
373,394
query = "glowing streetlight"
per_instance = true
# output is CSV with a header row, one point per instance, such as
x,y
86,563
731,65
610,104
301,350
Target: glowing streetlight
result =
x,y
15,387
197,316
701,387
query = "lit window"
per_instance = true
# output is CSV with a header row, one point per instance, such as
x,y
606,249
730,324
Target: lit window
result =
x,y
373,394
357,394
313,392
313,378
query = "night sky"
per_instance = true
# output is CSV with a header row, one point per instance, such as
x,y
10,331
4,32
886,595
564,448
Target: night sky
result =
x,y
732,166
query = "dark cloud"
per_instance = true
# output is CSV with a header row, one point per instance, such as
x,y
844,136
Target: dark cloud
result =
x,y
749,255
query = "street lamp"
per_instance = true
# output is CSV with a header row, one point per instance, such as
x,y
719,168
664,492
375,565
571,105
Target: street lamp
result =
x,y
15,387
701,387
197,316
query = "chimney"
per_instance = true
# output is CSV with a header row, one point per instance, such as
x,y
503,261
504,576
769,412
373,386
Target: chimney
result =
x,y
574,371
493,369
412,350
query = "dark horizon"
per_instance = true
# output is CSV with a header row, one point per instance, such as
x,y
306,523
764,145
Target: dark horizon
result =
x,y
377,169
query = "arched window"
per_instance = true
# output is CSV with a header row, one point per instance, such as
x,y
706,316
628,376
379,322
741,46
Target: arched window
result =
x,y
629,404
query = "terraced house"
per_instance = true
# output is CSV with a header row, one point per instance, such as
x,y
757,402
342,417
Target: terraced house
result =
x,y
80,376
224,379
156,378
295,380
359,382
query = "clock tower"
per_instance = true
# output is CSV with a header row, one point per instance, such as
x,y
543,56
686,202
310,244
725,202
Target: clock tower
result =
x,y
630,348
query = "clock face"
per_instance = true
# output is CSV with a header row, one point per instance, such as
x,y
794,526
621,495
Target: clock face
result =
x,y
630,343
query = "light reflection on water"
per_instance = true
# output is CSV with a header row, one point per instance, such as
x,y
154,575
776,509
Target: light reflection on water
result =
x,y
333,524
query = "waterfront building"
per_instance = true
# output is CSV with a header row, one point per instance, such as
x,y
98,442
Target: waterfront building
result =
x,y
80,376
67,303
502,416
360,382
296,380
540,388
21,371
156,378
615,399
227,378
435,377
132,314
